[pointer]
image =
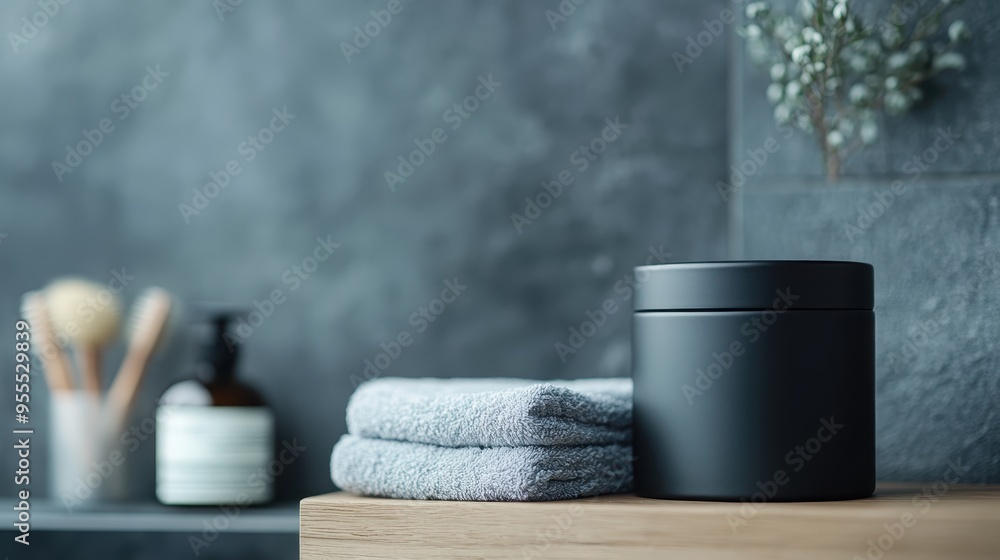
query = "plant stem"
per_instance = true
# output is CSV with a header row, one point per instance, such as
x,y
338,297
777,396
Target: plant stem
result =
x,y
832,167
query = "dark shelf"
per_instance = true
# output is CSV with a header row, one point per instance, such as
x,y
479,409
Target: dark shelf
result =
x,y
150,517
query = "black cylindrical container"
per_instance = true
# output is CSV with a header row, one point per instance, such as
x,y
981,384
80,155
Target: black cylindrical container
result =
x,y
754,380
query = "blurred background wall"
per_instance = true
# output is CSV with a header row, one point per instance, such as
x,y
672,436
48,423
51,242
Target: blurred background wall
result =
x,y
218,77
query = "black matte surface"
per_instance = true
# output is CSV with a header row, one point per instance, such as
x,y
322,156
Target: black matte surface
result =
x,y
787,381
754,285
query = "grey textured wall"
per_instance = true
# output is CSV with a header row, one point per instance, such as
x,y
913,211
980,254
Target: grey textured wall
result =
x,y
323,176
934,246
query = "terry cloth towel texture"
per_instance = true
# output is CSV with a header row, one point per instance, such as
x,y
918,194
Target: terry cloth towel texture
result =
x,y
417,471
487,439
493,412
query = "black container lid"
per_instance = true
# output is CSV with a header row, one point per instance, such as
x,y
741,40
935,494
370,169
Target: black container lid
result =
x,y
737,285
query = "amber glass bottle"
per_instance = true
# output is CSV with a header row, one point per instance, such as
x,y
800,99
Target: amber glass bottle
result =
x,y
214,434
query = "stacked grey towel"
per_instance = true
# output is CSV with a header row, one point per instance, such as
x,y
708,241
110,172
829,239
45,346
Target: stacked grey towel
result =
x,y
487,439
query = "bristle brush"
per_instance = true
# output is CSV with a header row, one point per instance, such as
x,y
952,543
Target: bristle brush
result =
x,y
89,316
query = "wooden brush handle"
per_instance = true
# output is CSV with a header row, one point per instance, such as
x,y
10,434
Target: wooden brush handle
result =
x,y
149,323
57,368
88,358
126,384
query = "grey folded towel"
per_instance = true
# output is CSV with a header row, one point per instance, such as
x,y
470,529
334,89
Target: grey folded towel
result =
x,y
396,469
493,412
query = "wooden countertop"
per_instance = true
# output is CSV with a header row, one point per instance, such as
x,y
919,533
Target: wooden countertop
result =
x,y
911,521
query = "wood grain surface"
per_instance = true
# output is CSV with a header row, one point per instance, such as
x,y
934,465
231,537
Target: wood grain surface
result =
x,y
912,521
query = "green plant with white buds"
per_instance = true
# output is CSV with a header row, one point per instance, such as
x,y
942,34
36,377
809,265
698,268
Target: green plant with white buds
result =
x,y
832,73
